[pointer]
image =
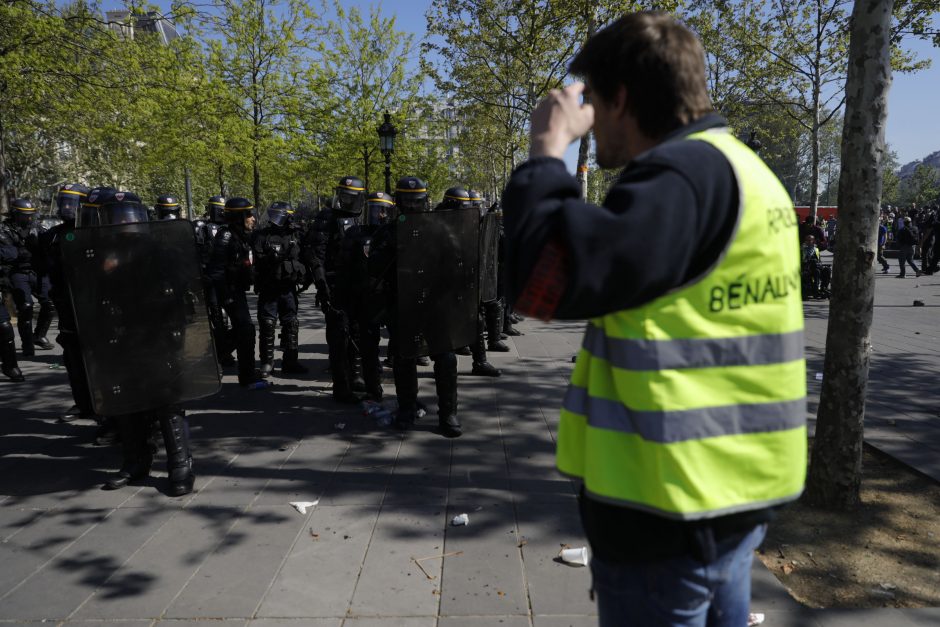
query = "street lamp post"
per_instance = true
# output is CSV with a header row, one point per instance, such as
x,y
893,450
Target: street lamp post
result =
x,y
387,133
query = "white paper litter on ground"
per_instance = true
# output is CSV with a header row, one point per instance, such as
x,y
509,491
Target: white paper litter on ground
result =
x,y
301,506
461,520
754,619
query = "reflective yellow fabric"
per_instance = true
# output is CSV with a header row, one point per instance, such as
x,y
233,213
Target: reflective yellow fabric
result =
x,y
728,434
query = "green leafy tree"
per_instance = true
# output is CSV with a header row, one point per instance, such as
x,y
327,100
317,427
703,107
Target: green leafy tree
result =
x,y
366,59
262,57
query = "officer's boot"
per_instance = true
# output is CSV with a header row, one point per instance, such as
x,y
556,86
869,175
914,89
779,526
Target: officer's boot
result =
x,y
406,388
371,370
481,367
494,322
179,460
245,350
266,346
356,379
290,330
338,343
137,457
508,329
42,326
221,334
8,352
24,324
445,378
75,368
108,431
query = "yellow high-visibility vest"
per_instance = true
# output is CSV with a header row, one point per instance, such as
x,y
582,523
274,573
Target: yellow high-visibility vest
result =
x,y
693,406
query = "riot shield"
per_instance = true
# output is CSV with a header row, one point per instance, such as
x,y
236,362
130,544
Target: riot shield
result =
x,y
437,265
141,315
489,257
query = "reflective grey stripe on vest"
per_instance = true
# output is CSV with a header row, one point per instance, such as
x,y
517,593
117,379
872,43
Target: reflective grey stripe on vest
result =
x,y
747,350
687,424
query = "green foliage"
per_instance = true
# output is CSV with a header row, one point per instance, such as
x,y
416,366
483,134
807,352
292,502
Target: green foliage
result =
x,y
261,98
921,188
276,99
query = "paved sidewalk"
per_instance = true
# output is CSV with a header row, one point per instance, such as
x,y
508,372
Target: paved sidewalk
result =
x,y
236,553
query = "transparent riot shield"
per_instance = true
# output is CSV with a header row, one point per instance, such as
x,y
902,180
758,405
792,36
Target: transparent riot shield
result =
x,y
141,315
437,265
489,257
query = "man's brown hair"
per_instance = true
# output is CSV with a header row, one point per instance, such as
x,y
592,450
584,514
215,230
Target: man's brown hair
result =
x,y
659,61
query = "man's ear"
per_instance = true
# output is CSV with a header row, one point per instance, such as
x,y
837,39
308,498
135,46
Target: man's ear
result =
x,y
620,103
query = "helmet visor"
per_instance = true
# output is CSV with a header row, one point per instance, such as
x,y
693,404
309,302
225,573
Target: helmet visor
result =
x,y
67,206
413,203
277,217
122,213
348,201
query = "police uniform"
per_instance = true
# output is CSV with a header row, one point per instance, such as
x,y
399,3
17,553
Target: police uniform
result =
x,y
229,271
68,202
21,231
278,272
324,252
125,259
205,229
410,196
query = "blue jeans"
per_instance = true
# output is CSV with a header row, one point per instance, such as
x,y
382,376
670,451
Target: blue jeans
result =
x,y
680,591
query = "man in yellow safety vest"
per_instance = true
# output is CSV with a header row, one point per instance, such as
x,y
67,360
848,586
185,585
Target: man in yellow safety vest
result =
x,y
685,418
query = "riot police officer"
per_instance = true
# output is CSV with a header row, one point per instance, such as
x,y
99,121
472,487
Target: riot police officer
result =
x,y
489,306
324,252
167,208
122,265
205,230
9,253
229,270
411,197
379,208
278,271
22,231
68,203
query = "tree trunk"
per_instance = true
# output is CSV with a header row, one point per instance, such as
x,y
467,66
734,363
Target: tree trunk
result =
x,y
583,164
256,176
4,198
835,471
585,144
365,163
814,165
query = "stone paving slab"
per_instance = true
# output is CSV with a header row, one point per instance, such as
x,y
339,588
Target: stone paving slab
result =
x,y
235,553
319,574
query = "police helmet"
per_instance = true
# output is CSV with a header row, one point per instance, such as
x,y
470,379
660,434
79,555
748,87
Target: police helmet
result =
x,y
279,213
107,207
476,201
455,198
22,211
88,211
215,208
168,208
237,209
411,195
68,200
349,196
381,207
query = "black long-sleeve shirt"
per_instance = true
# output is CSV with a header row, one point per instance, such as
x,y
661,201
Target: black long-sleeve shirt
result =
x,y
665,221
